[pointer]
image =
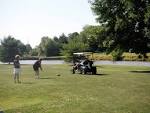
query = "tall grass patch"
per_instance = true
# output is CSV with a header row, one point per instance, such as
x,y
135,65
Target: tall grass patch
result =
x,y
125,57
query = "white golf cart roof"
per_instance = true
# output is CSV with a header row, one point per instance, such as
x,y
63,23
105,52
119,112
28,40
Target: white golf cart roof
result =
x,y
82,53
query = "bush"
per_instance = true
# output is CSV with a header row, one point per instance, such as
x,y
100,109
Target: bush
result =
x,y
117,55
100,56
125,57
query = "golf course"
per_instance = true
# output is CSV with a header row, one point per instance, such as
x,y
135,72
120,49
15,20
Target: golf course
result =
x,y
115,89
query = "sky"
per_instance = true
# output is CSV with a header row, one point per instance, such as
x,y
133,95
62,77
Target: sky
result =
x,y
30,20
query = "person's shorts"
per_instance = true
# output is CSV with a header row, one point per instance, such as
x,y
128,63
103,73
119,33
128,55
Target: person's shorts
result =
x,y
17,71
35,68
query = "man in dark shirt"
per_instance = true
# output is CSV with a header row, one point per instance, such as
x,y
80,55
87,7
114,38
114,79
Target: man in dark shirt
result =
x,y
88,63
36,67
17,69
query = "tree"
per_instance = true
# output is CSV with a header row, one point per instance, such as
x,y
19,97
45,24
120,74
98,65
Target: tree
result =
x,y
52,48
74,45
73,35
56,39
92,35
63,39
9,48
127,23
34,51
28,48
49,47
21,47
42,46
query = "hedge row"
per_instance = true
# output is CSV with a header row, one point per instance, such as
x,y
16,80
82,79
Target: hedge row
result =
x,y
125,57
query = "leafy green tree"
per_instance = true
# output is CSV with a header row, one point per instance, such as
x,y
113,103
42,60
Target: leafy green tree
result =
x,y
9,48
92,35
63,39
28,48
42,46
73,35
74,45
35,51
127,23
49,47
52,48
22,48
56,39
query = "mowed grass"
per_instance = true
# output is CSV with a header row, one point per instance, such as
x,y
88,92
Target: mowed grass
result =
x,y
116,89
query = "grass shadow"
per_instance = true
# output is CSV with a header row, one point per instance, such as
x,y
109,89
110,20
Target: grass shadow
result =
x,y
46,78
140,71
26,83
95,74
99,66
101,74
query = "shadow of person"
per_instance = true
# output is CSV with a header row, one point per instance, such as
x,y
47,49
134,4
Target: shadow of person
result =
x,y
46,78
140,71
27,83
1,111
97,74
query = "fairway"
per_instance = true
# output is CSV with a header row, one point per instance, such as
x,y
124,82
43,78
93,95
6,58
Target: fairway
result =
x,y
115,89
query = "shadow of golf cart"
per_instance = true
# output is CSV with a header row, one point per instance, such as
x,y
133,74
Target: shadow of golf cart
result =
x,y
83,63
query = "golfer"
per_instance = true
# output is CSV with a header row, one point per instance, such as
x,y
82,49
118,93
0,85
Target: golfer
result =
x,y
17,69
36,67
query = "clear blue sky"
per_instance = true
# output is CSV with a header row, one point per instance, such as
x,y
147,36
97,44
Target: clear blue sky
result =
x,y
29,20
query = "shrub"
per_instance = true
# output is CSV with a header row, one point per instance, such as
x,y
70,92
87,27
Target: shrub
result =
x,y
117,54
125,56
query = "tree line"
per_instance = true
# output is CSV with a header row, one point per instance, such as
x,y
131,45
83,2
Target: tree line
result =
x,y
66,45
124,26
126,23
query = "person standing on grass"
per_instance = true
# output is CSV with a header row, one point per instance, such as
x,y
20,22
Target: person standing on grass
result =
x,y
17,69
36,67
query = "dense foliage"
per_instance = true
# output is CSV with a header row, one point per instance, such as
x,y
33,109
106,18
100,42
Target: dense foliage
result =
x,y
10,47
74,45
127,24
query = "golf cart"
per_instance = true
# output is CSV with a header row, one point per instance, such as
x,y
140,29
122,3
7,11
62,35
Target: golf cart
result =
x,y
82,63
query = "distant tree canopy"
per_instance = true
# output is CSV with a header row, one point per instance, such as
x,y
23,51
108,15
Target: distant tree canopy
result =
x,y
126,22
48,47
63,39
42,46
28,48
73,35
9,48
52,48
74,45
93,36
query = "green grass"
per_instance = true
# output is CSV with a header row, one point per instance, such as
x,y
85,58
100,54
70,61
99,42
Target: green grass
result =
x,y
117,89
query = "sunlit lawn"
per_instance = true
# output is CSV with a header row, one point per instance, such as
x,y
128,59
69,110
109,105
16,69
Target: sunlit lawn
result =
x,y
116,89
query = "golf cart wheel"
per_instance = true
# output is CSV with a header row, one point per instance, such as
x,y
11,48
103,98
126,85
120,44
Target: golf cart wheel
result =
x,y
84,72
94,70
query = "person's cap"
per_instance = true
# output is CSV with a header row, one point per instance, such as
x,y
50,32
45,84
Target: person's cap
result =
x,y
17,56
